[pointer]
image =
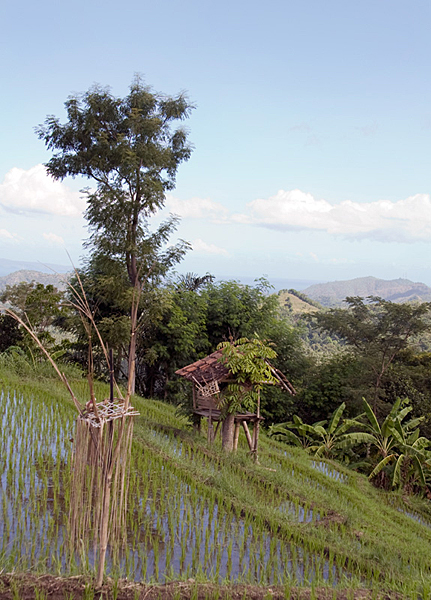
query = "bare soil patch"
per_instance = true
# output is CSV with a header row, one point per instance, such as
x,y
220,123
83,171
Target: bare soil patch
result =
x,y
48,587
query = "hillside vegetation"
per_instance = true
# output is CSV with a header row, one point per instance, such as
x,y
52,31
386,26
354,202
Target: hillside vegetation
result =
x,y
292,301
290,521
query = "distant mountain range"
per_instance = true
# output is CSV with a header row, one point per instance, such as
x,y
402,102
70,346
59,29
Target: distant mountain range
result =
x,y
395,290
58,280
327,294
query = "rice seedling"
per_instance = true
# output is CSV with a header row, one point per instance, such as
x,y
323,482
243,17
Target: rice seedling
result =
x,y
40,594
88,593
15,590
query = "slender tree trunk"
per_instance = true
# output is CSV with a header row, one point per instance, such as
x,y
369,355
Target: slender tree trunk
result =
x,y
227,432
132,347
132,269
132,359
376,391
378,383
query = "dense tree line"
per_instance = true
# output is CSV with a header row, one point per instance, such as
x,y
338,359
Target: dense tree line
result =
x,y
180,324
183,318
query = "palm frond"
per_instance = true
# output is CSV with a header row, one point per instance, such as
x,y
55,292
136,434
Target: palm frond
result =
x,y
381,465
335,419
371,416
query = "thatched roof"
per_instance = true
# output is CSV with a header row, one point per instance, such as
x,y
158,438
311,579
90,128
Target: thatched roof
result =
x,y
210,368
206,369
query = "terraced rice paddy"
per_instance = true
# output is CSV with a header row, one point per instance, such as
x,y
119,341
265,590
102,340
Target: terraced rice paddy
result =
x,y
193,512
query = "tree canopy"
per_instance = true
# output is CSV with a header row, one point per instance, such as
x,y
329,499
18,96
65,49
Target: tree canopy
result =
x,y
130,149
377,330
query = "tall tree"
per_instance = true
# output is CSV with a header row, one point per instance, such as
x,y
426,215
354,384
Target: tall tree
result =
x,y
131,150
236,310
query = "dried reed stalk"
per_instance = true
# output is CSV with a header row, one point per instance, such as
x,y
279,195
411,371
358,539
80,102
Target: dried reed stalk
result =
x,y
101,457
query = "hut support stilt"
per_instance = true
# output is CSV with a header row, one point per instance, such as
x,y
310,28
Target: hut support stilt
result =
x,y
247,435
236,435
256,430
210,429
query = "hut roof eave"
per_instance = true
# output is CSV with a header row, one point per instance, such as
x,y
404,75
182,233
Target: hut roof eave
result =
x,y
211,368
206,369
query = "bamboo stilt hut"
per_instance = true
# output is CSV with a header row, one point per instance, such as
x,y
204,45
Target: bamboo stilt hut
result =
x,y
210,376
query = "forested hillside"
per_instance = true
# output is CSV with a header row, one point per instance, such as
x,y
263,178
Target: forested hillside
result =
x,y
295,302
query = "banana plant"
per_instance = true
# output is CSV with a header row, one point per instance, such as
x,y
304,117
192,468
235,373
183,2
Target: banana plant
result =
x,y
331,440
317,439
413,454
283,432
393,440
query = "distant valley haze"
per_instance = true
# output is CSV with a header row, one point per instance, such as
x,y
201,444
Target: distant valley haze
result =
x,y
326,293
8,266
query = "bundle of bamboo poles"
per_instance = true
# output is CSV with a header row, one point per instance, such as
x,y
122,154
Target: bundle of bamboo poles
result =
x,y
102,455
103,438
98,500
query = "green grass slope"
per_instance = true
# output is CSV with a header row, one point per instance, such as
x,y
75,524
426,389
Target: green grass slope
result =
x,y
197,513
294,304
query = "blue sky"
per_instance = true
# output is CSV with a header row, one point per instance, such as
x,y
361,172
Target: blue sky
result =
x,y
311,131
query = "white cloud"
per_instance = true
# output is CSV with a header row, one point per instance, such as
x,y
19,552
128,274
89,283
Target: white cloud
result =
x,y
196,208
201,246
53,238
34,191
8,236
406,220
301,127
368,130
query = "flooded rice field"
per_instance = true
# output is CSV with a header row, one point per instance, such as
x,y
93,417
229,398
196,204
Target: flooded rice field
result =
x,y
176,527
